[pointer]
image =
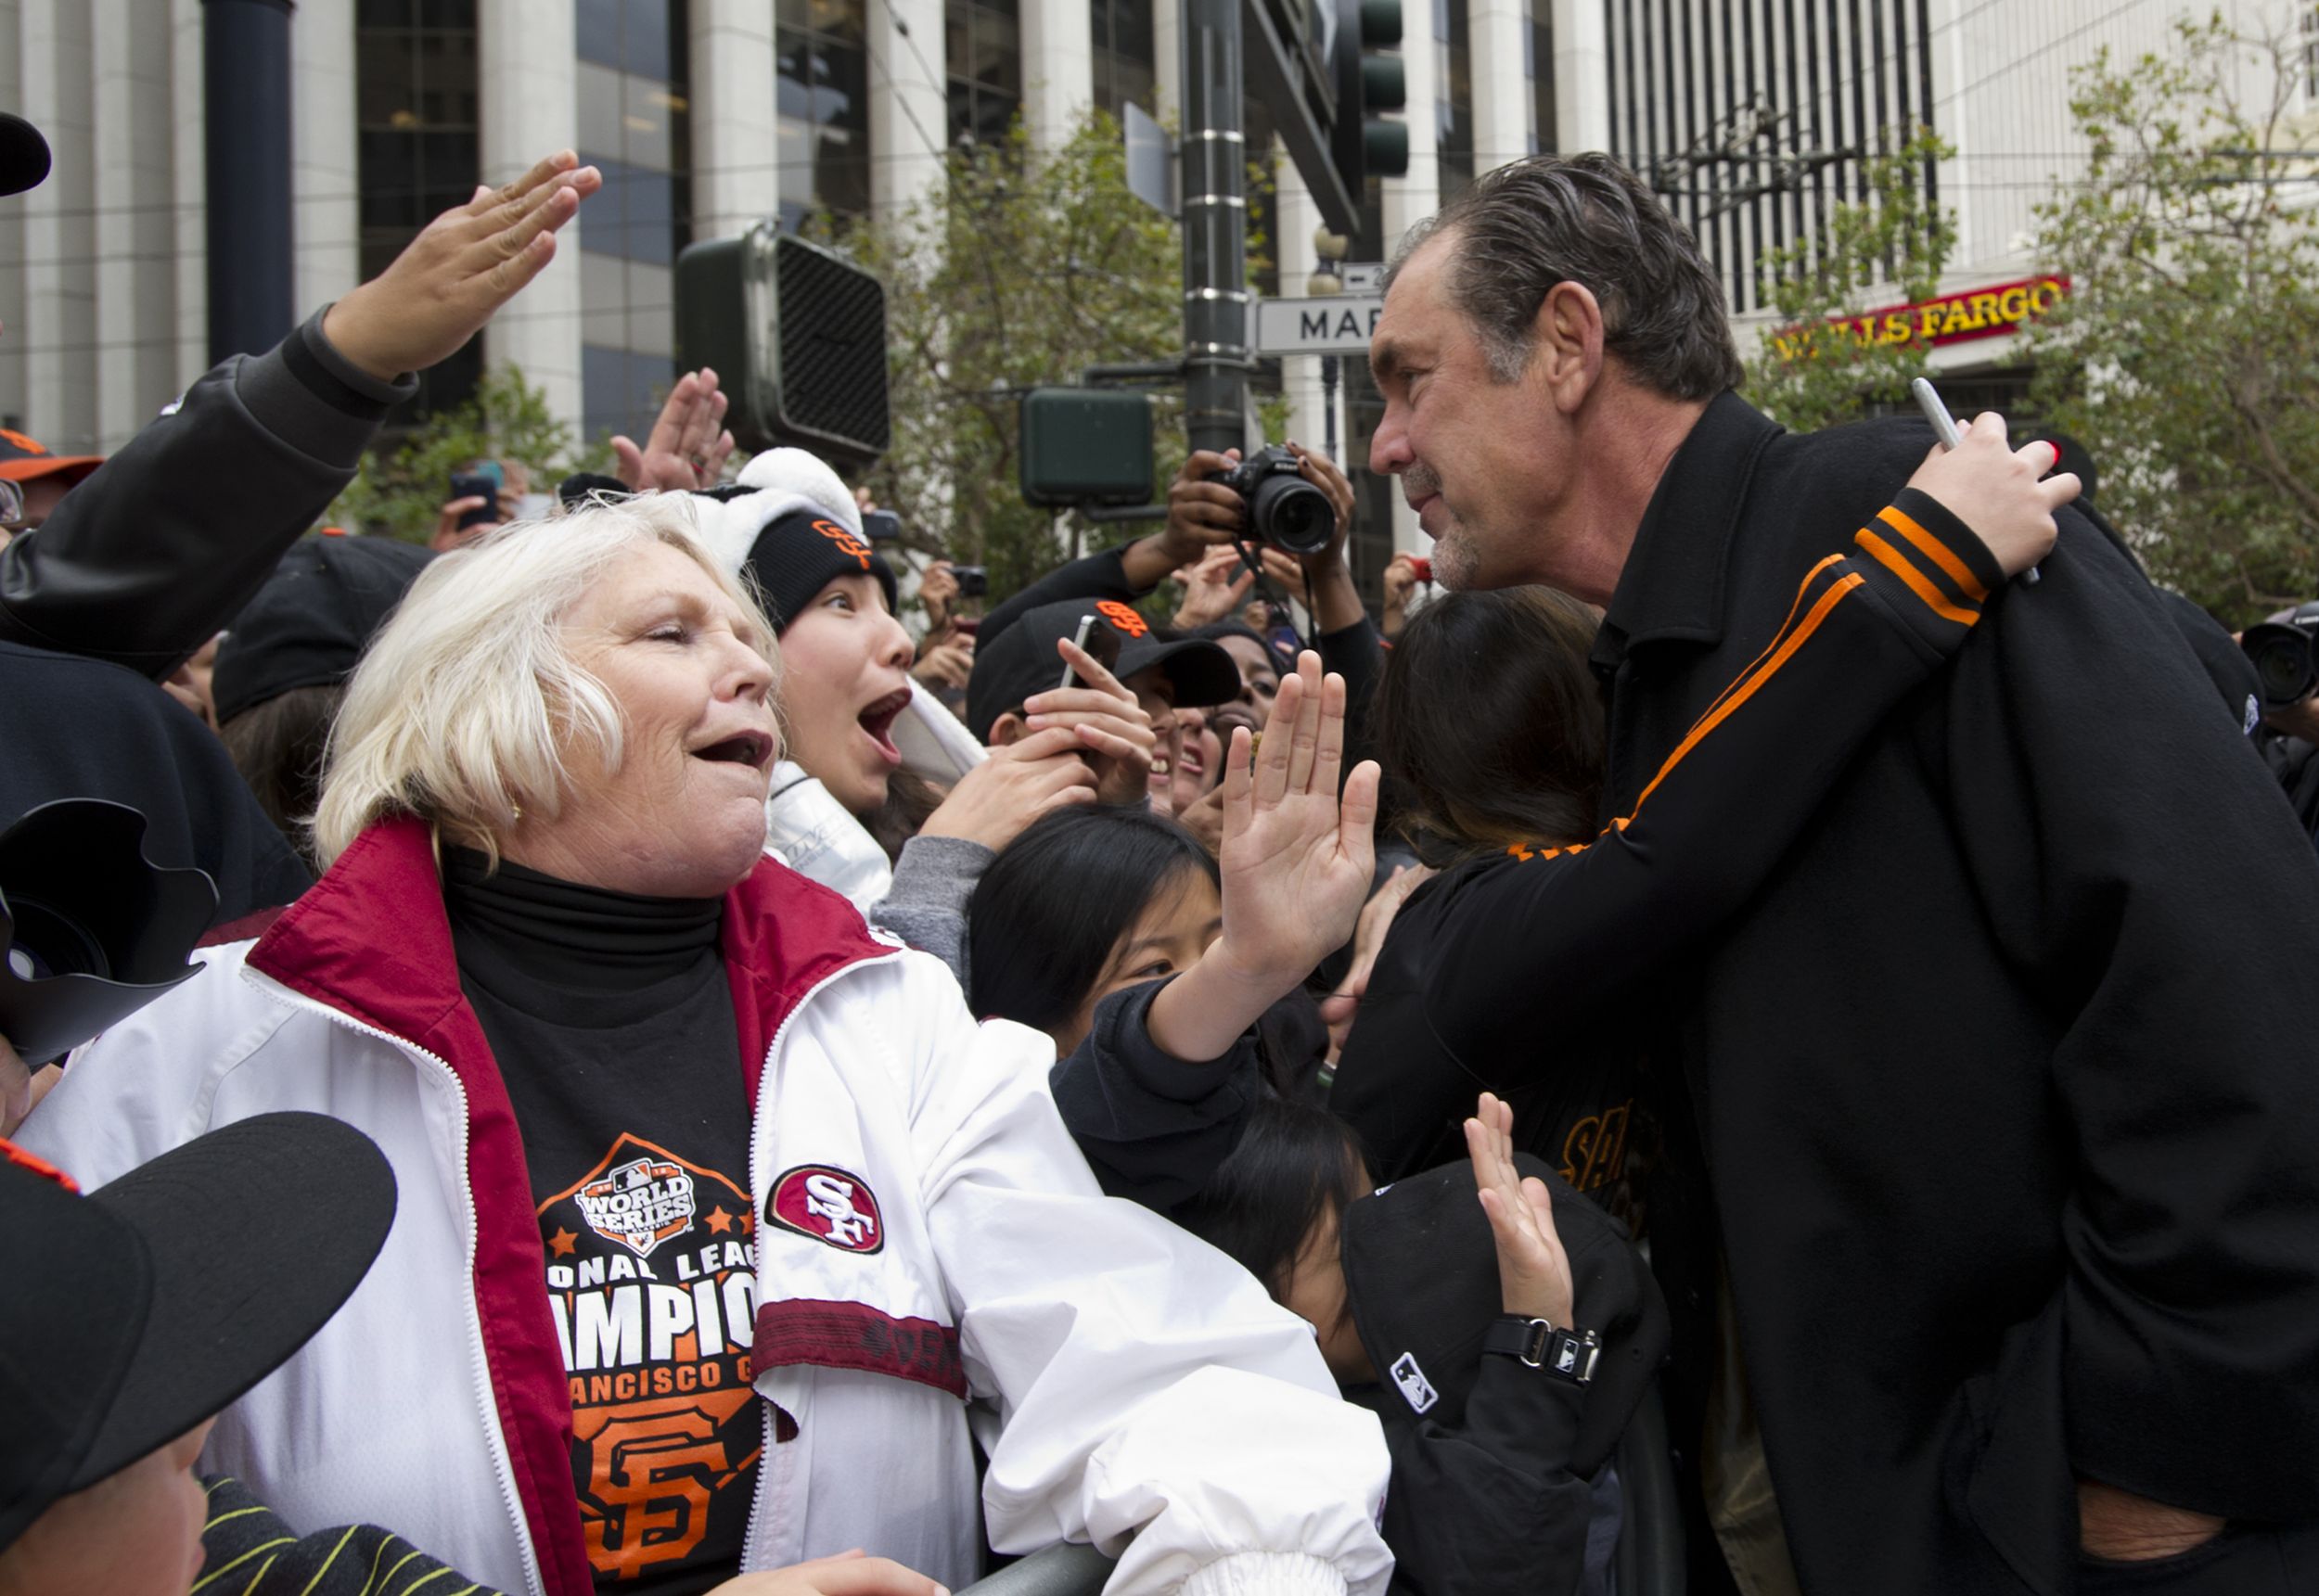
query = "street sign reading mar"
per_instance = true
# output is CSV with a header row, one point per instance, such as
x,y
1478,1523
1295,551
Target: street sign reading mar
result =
x,y
1334,323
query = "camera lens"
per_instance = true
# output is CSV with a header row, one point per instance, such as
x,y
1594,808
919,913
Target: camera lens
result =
x,y
57,945
2283,662
1290,512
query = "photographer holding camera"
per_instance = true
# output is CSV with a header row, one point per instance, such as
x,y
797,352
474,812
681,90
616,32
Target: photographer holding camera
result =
x,y
2285,652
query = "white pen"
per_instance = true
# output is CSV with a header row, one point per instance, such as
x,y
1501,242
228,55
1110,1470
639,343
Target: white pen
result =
x,y
1945,425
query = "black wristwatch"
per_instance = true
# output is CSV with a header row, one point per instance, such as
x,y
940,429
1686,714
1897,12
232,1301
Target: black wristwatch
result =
x,y
1565,1354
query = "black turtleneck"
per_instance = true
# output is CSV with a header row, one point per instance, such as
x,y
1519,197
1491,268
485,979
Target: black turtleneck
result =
x,y
611,1021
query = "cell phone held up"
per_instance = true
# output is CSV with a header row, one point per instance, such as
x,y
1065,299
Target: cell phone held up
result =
x,y
1099,641
477,485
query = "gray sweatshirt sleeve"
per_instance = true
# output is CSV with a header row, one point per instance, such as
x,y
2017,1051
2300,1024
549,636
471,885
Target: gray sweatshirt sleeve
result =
x,y
927,907
161,546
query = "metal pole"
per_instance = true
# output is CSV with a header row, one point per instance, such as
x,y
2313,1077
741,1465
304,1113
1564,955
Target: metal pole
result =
x,y
1328,401
1216,228
246,85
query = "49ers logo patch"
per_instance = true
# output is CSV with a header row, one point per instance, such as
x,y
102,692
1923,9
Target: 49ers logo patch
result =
x,y
830,1204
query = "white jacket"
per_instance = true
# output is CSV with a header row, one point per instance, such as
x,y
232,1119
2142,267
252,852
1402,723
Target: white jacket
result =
x,y
1133,1387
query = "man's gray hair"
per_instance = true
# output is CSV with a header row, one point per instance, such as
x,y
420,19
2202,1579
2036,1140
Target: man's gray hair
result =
x,y
1519,230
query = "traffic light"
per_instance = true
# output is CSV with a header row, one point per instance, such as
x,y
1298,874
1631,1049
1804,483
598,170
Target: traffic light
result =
x,y
1085,446
1370,79
797,334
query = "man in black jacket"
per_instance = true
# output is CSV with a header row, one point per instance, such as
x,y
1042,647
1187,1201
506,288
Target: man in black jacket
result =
x,y
2004,1083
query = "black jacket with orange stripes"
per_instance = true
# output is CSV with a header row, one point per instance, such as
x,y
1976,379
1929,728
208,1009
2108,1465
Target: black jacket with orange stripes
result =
x,y
2005,1078
1516,973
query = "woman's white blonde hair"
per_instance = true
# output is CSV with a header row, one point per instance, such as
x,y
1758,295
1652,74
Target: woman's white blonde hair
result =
x,y
470,701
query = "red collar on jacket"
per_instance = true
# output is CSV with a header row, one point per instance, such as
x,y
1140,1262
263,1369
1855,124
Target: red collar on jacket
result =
x,y
371,940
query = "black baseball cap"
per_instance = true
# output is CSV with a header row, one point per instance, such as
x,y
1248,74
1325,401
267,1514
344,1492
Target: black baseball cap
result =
x,y
1021,660
311,621
130,1315
1421,1272
23,154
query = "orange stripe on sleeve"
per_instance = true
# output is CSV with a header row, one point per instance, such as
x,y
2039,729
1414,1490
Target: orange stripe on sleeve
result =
x,y
1936,550
1778,637
1785,651
1901,566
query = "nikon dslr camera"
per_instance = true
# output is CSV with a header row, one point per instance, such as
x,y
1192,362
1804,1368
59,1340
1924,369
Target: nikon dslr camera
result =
x,y
1283,509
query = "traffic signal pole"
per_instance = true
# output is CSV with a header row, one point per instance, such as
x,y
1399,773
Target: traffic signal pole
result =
x,y
1216,228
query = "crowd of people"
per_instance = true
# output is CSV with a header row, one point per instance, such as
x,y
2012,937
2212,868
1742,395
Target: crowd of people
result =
x,y
722,1060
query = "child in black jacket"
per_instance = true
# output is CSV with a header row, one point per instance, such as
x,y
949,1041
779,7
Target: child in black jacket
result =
x,y
1503,1343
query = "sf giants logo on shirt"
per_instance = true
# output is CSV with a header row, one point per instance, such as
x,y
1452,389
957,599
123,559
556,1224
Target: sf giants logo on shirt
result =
x,y
846,543
829,1205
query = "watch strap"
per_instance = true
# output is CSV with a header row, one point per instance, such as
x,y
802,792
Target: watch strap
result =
x,y
1566,1354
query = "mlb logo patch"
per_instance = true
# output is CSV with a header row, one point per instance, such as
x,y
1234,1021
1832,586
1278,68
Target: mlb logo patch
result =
x,y
835,1207
1416,1389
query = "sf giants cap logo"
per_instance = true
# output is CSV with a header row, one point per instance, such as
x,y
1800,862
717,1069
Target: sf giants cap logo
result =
x,y
829,1205
846,543
1124,618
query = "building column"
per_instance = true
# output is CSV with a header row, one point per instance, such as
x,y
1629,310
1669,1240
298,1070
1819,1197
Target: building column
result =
x,y
14,330
1058,69
136,301
1167,57
326,225
1496,48
734,129
1409,200
191,185
909,102
60,229
1582,76
525,78
1296,218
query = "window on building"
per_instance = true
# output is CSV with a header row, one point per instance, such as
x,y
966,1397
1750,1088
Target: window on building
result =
x,y
631,84
1453,98
1126,54
984,52
2310,58
823,101
416,147
1538,62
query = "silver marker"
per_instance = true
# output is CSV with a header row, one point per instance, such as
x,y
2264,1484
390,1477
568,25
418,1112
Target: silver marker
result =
x,y
1945,425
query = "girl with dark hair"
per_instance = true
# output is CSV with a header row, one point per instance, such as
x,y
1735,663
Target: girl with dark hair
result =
x,y
1410,1290
1085,902
1515,968
1074,931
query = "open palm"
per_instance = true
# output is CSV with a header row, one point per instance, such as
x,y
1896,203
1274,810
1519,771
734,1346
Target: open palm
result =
x,y
1297,858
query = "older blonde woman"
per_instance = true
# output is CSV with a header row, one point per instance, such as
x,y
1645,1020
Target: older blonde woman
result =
x,y
718,1214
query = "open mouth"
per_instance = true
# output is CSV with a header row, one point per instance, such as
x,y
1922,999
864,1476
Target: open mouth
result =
x,y
751,749
878,722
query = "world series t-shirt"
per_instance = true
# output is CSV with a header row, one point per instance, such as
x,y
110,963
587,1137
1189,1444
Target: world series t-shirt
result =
x,y
611,1020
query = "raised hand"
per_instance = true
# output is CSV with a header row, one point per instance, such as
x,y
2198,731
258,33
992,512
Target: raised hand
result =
x,y
2002,492
1019,782
1533,1272
1215,586
456,274
1115,735
1201,514
688,445
1296,858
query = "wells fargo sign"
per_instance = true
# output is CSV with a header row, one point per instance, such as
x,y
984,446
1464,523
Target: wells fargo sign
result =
x,y
1951,318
